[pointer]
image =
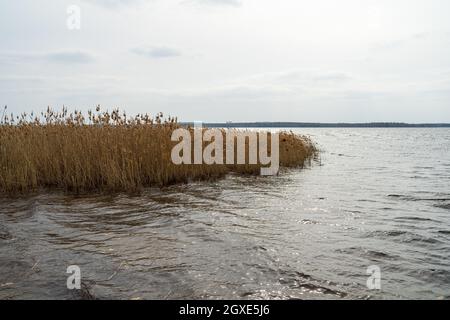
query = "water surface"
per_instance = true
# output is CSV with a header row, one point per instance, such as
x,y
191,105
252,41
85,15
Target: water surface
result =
x,y
376,197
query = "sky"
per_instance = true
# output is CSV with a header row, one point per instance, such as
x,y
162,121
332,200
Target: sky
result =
x,y
230,60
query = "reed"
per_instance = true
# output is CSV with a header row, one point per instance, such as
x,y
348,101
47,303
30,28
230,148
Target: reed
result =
x,y
107,151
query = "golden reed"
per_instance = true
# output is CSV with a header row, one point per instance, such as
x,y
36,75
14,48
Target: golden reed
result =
x,y
108,151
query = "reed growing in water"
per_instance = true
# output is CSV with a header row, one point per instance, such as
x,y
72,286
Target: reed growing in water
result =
x,y
108,151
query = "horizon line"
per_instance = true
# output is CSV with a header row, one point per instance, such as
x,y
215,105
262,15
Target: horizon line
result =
x,y
293,124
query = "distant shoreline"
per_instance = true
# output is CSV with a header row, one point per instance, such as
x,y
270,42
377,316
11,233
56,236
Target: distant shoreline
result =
x,y
320,125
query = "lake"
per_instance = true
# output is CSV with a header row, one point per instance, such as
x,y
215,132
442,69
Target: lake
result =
x,y
374,197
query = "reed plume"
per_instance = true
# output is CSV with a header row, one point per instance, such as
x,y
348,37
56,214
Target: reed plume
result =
x,y
108,151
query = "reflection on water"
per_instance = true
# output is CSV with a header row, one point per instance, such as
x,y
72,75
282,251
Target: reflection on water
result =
x,y
376,197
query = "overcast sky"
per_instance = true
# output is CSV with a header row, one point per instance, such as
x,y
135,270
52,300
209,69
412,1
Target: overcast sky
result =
x,y
231,60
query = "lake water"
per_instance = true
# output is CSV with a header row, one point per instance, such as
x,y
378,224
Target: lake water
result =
x,y
376,197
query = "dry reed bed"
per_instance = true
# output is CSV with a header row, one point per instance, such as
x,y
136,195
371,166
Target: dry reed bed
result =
x,y
108,151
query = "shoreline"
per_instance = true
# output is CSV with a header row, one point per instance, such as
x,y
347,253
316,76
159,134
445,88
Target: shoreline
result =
x,y
320,125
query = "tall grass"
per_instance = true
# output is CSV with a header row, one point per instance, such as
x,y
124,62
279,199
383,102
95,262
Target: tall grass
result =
x,y
107,151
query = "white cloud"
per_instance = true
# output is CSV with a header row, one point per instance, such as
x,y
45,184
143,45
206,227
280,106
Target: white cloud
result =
x,y
70,57
233,60
234,3
157,52
63,57
115,3
397,43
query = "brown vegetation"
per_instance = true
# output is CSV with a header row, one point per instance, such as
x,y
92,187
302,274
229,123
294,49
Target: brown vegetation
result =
x,y
107,151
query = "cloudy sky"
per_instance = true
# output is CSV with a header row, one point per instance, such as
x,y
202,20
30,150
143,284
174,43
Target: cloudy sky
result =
x,y
231,60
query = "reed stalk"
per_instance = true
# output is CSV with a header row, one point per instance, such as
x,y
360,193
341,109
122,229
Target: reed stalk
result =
x,y
107,151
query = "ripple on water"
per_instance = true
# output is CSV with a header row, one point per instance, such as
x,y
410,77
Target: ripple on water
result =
x,y
308,233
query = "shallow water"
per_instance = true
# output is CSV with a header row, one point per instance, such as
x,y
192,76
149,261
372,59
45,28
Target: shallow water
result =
x,y
376,197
